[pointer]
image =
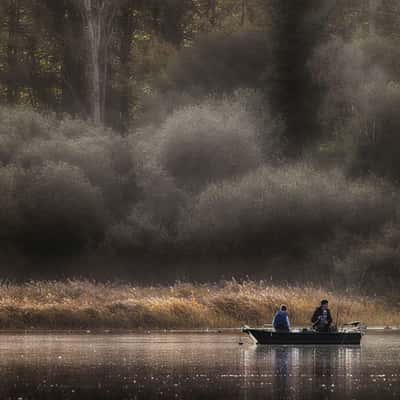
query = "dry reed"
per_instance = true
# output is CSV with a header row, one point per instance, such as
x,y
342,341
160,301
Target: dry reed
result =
x,y
77,304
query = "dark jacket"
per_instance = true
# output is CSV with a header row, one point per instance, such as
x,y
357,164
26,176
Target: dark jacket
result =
x,y
281,321
318,317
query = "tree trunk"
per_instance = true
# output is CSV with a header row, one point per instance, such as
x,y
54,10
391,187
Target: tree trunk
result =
x,y
67,26
94,27
243,20
167,20
98,16
13,22
373,7
128,26
293,92
212,12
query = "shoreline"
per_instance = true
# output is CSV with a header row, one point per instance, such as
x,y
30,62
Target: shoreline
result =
x,y
111,332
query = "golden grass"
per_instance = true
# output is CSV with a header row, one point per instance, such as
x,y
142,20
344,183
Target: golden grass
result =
x,y
76,304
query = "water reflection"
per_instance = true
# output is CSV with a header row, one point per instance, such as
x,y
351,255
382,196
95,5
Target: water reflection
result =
x,y
301,372
194,366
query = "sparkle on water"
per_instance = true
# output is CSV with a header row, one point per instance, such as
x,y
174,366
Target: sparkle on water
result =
x,y
194,366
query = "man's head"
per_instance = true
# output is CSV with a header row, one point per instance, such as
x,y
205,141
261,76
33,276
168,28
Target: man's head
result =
x,y
324,304
283,307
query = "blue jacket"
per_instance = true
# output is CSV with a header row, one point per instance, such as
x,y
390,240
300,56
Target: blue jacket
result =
x,y
281,321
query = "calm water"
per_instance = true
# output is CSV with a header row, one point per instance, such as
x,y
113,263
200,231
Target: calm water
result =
x,y
194,366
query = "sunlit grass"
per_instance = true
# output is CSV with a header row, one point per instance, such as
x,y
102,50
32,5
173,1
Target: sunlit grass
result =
x,y
76,304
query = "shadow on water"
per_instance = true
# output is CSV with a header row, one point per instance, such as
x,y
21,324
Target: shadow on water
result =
x,y
304,371
194,366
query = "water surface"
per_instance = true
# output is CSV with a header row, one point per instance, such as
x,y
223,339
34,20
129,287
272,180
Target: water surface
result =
x,y
194,366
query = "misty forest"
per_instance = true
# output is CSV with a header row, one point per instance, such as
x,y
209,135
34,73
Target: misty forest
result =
x,y
163,140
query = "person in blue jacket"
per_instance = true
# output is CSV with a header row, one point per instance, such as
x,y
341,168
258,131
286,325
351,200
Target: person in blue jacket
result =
x,y
281,320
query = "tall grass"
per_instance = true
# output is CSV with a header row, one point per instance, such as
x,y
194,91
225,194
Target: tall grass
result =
x,y
89,305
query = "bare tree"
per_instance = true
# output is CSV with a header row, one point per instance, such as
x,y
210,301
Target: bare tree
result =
x,y
212,12
98,17
373,7
13,26
243,19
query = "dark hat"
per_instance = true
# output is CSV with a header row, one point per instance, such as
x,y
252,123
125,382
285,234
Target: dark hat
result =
x,y
324,302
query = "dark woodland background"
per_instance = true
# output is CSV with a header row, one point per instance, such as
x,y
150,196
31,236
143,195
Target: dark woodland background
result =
x,y
197,139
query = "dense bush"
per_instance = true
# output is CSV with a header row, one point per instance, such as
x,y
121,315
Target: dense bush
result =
x,y
50,209
277,209
61,209
199,145
208,181
195,146
359,114
18,127
361,126
216,64
215,140
10,189
221,63
151,224
61,182
372,265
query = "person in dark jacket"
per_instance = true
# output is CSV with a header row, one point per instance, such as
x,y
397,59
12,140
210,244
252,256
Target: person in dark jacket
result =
x,y
281,320
322,318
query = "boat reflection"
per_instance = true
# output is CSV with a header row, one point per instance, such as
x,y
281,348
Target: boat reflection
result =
x,y
291,372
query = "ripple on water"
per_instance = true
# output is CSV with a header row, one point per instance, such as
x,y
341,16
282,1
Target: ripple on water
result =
x,y
188,366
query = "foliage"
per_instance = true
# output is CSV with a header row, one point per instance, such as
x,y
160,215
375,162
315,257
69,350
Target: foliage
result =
x,y
253,132
220,62
61,181
373,264
201,144
281,209
363,94
49,58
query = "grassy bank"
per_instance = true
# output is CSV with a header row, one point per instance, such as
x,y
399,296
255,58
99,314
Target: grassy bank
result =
x,y
90,305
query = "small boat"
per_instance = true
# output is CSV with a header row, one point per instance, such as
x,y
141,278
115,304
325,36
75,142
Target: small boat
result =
x,y
304,336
